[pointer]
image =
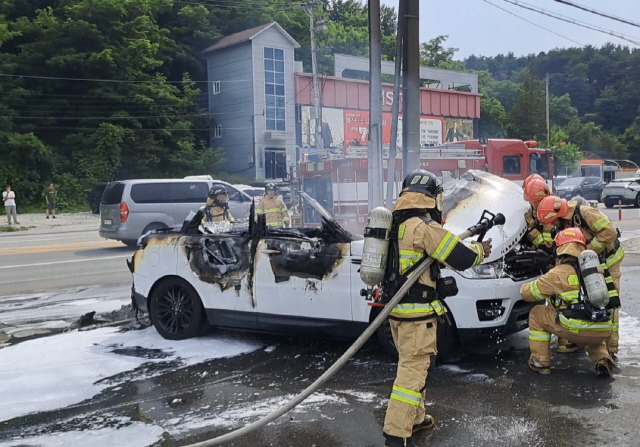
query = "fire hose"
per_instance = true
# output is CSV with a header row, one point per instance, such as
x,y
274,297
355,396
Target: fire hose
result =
x,y
480,229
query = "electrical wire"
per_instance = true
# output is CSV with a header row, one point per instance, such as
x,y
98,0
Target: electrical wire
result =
x,y
573,21
602,14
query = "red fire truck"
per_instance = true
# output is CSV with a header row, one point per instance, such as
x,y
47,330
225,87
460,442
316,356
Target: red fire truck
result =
x,y
339,182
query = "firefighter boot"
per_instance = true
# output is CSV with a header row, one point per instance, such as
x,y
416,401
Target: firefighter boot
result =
x,y
565,346
427,424
604,367
535,365
396,441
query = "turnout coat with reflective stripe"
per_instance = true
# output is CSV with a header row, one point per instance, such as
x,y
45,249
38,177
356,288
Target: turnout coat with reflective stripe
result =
x,y
598,230
417,238
560,287
537,234
274,209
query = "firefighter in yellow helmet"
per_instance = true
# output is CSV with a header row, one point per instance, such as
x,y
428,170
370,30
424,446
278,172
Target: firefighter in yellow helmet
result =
x,y
273,208
535,189
217,207
417,225
601,236
559,311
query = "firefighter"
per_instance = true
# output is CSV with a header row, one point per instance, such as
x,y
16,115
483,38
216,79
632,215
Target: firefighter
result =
x,y
217,206
273,208
535,189
601,237
417,218
559,288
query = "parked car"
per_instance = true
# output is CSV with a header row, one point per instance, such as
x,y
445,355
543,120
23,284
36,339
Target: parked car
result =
x,y
303,280
588,187
626,190
95,196
131,208
252,191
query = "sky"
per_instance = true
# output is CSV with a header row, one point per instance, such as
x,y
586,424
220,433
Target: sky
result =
x,y
492,27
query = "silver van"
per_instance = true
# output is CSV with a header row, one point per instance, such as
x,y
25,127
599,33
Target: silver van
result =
x,y
131,208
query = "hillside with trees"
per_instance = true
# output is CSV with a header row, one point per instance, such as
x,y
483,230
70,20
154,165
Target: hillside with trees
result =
x,y
97,90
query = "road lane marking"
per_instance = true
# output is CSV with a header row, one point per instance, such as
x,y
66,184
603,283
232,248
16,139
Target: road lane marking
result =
x,y
40,238
62,262
69,246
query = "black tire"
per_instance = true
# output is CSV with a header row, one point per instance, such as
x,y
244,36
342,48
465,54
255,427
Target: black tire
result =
x,y
131,243
448,344
636,202
175,310
608,203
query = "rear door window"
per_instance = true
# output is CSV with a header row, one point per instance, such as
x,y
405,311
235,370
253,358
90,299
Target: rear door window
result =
x,y
190,192
112,194
151,192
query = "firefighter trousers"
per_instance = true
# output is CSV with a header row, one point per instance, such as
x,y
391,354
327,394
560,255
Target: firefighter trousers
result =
x,y
614,340
543,321
416,342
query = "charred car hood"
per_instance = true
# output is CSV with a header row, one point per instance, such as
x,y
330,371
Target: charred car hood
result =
x,y
466,198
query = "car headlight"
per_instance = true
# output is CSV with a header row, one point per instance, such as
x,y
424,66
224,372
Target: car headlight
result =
x,y
492,270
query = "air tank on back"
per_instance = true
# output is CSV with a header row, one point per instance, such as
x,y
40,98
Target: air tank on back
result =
x,y
376,246
594,281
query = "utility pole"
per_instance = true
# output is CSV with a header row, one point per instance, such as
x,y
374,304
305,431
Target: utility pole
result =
x,y
547,106
411,89
314,70
375,107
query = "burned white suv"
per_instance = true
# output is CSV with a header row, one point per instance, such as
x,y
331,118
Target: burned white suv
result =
x,y
304,280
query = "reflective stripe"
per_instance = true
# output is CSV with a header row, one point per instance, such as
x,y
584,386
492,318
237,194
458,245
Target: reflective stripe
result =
x,y
575,325
608,279
601,223
616,257
537,240
570,296
406,395
274,224
539,335
597,244
615,327
408,258
573,280
401,230
480,251
445,247
547,236
535,291
613,293
419,308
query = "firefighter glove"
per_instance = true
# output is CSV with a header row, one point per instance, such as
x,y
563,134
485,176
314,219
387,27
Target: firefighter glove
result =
x,y
486,247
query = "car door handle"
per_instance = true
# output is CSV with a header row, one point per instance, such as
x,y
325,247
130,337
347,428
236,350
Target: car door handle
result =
x,y
272,252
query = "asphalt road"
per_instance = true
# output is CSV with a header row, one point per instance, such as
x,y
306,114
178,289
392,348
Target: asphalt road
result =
x,y
35,261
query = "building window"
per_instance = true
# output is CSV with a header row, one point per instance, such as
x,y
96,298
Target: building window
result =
x,y
215,87
274,88
217,131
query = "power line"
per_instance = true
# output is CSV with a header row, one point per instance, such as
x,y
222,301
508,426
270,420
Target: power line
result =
x,y
603,14
572,21
533,23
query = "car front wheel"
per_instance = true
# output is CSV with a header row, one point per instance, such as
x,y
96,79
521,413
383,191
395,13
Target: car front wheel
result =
x,y
175,310
608,203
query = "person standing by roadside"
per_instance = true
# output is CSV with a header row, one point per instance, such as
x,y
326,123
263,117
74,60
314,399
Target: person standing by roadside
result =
x,y
9,199
51,197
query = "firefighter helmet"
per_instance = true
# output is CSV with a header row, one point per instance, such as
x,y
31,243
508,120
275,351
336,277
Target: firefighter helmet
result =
x,y
570,241
551,208
270,187
423,182
218,194
530,178
536,190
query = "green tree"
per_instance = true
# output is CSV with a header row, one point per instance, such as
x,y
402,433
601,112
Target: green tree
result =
x,y
566,154
434,54
528,115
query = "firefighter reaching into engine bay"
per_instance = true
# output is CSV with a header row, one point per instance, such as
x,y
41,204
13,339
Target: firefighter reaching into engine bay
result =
x,y
601,236
565,315
217,207
273,208
538,235
417,229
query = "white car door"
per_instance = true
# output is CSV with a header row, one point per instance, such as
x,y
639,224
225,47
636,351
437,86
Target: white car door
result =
x,y
303,277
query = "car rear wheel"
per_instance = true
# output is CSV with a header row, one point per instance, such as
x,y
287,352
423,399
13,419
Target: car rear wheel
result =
x,y
175,310
153,226
608,203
